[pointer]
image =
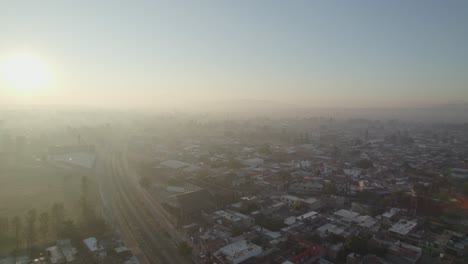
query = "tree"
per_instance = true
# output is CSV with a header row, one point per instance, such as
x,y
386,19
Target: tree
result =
x,y
358,244
87,211
68,230
4,226
97,226
31,218
184,248
57,216
17,229
44,225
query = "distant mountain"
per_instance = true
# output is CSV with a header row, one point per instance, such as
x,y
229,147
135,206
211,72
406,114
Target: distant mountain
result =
x,y
452,105
448,112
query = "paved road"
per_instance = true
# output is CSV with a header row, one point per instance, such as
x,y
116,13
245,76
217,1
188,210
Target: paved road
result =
x,y
139,220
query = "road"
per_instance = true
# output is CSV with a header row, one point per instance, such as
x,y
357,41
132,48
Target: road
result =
x,y
139,220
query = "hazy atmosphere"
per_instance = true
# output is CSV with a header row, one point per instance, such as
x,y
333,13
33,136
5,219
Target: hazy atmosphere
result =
x,y
234,132
179,54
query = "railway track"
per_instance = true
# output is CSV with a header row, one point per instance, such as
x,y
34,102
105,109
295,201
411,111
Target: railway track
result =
x,y
143,225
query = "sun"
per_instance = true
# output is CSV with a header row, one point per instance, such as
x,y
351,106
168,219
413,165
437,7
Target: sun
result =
x,y
25,72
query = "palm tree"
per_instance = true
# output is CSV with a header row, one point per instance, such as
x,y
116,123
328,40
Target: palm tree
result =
x,y
31,218
4,226
58,216
44,225
17,228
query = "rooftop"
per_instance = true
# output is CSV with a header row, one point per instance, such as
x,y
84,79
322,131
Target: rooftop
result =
x,y
403,227
239,249
346,214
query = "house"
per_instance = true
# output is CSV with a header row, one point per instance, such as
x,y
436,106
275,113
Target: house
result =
x,y
68,250
233,218
54,255
291,201
188,206
62,252
307,216
95,249
236,252
404,253
306,188
312,203
402,228
346,215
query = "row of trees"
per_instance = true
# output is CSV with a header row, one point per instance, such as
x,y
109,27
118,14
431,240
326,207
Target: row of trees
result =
x,y
33,228
38,228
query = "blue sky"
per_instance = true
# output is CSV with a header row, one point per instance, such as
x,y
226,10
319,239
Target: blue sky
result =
x,y
171,53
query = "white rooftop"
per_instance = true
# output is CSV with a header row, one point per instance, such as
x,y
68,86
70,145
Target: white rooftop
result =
x,y
227,215
267,232
67,249
55,255
390,213
92,244
307,215
346,214
331,228
239,249
403,227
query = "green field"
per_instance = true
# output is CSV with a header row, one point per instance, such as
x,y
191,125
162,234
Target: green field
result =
x,y
38,186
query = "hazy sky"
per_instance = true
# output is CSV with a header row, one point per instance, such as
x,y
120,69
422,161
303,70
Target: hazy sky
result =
x,y
171,53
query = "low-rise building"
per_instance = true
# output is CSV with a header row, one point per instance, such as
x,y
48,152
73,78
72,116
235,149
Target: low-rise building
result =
x,y
233,218
236,252
95,248
54,255
404,253
292,201
307,188
401,228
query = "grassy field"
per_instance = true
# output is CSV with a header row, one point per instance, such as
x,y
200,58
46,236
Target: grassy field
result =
x,y
37,186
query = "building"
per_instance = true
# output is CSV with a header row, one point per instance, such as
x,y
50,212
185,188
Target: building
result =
x,y
62,252
54,255
329,228
122,253
307,188
353,258
95,249
307,216
233,218
16,260
302,252
391,213
402,228
404,253
312,203
291,201
346,215
188,206
68,250
236,252
459,173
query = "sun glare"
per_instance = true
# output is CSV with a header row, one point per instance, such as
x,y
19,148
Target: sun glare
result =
x,y
24,72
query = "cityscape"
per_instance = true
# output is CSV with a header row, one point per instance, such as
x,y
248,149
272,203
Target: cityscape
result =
x,y
217,132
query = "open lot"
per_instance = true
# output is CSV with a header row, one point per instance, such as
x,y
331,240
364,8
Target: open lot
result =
x,y
36,185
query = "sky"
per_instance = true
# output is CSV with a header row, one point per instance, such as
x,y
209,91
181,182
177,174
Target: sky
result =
x,y
179,53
